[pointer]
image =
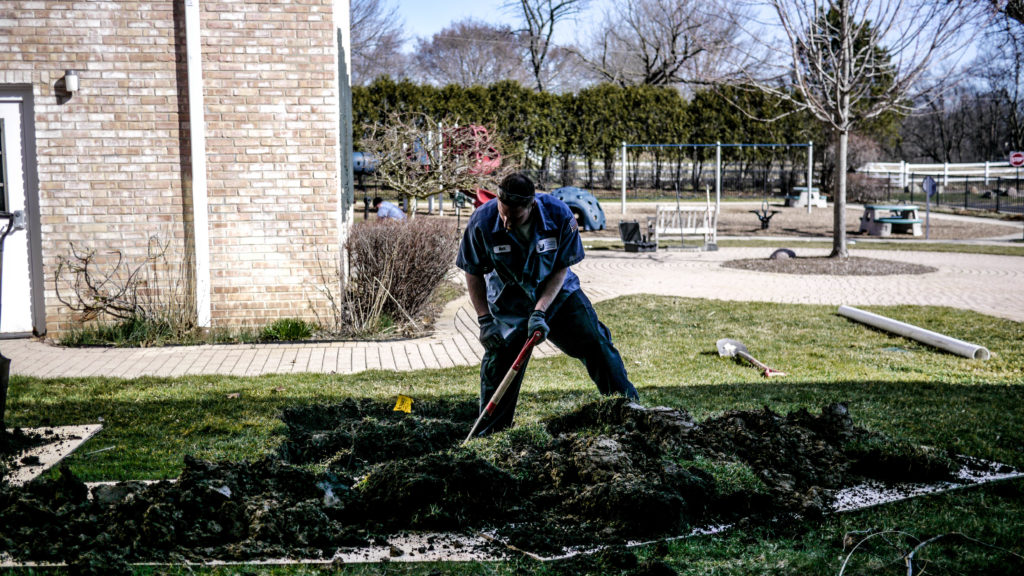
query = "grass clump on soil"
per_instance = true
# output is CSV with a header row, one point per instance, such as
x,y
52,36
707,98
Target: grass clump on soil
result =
x,y
900,388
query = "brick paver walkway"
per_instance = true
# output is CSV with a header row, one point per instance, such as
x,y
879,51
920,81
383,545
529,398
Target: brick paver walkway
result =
x,y
986,284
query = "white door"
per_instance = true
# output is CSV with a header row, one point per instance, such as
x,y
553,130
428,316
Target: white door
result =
x,y
16,298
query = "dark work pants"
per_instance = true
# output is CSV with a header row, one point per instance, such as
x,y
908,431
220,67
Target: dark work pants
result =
x,y
576,331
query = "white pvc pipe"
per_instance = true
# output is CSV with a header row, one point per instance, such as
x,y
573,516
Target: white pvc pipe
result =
x,y
197,136
959,347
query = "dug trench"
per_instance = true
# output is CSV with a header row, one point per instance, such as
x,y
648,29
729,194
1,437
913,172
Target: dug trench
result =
x,y
353,473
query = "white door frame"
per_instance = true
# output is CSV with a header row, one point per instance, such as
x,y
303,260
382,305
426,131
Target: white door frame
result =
x,y
23,93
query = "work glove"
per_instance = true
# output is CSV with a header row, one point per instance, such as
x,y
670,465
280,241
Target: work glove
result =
x,y
490,332
538,323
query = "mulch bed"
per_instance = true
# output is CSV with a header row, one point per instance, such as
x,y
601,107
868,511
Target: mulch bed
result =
x,y
851,266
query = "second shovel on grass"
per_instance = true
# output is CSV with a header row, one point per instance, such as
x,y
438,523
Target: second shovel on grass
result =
x,y
732,348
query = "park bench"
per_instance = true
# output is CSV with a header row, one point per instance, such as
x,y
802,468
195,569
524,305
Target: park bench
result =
x,y
677,222
900,219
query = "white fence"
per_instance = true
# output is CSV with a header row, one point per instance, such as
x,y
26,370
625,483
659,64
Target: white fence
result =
x,y
978,171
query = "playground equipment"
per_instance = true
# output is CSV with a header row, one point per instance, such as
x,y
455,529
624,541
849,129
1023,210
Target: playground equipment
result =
x,y
584,206
718,163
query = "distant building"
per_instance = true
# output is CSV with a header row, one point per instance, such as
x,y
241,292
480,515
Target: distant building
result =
x,y
254,198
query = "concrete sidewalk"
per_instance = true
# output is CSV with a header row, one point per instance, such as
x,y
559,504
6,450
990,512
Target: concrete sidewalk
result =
x,y
982,283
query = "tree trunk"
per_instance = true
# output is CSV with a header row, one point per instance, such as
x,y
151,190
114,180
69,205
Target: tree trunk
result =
x,y
839,249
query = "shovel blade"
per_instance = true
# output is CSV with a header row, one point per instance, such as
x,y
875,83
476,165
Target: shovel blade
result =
x,y
729,347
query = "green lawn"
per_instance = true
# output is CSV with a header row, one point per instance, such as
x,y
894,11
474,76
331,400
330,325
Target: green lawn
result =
x,y
893,385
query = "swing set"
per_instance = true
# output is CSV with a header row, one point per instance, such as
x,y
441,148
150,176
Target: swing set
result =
x,y
696,165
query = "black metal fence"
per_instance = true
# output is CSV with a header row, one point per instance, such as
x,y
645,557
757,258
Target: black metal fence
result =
x,y
993,194
647,181
691,180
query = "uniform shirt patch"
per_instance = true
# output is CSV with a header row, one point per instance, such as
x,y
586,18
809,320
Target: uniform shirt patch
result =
x,y
502,248
547,244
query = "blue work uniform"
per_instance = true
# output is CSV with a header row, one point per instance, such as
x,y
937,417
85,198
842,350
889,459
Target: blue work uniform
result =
x,y
388,210
514,271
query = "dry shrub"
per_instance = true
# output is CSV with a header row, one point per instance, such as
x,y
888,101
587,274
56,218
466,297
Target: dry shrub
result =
x,y
394,269
864,189
157,289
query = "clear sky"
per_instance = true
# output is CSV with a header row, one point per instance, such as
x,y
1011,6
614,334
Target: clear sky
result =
x,y
424,18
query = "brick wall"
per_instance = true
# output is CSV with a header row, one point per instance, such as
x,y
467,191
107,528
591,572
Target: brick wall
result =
x,y
109,157
271,116
113,159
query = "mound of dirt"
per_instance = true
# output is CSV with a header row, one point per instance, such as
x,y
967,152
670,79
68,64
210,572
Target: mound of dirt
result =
x,y
605,473
852,266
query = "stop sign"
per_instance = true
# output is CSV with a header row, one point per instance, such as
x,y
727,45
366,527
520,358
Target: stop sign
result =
x,y
1016,158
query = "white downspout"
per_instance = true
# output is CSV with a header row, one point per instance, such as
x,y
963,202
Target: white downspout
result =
x,y
343,54
197,137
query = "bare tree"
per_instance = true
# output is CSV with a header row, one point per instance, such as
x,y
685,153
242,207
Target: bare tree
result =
x,y
848,61
471,52
940,130
418,156
377,37
983,118
539,20
1002,66
664,42
1011,8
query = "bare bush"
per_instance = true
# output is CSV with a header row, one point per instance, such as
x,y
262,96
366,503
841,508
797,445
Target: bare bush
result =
x,y
395,267
864,189
418,156
159,289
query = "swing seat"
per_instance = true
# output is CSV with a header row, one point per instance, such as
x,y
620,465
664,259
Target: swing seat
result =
x,y
675,222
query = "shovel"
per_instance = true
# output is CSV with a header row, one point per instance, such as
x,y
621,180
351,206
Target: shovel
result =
x,y
731,348
496,397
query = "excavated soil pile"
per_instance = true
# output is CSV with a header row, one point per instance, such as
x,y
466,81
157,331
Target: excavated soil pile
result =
x,y
606,473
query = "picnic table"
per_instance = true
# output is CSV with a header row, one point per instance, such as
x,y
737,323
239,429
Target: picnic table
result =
x,y
884,219
800,198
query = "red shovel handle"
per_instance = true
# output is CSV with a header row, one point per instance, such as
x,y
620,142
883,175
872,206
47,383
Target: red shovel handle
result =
x,y
525,352
516,367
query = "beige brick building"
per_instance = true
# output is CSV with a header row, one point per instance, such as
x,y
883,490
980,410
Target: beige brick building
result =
x,y
220,125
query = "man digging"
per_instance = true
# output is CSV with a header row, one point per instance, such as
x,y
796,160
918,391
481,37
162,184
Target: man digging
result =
x,y
516,253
